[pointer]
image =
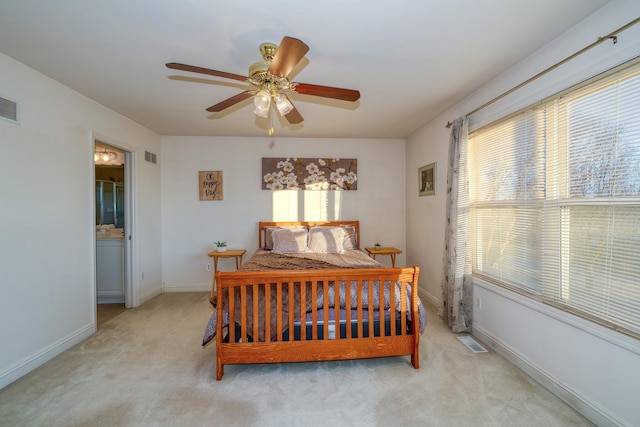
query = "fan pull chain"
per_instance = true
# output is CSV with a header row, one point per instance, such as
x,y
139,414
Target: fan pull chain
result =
x,y
270,123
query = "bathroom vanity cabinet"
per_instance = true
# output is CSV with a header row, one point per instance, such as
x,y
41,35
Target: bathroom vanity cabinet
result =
x,y
110,271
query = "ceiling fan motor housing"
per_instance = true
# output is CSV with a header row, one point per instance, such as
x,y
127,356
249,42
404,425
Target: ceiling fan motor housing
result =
x,y
268,51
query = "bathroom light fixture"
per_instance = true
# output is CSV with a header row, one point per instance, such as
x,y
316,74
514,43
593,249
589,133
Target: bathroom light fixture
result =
x,y
104,155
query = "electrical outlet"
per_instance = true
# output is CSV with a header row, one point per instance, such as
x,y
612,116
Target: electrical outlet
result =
x,y
478,302
207,266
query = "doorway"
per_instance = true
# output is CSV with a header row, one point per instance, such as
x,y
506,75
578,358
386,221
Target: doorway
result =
x,y
112,195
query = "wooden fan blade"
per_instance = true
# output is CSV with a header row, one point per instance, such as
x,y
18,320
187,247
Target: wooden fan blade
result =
x,y
327,92
194,69
289,53
294,117
231,101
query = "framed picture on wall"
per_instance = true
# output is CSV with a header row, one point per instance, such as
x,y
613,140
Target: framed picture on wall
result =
x,y
317,173
210,185
427,180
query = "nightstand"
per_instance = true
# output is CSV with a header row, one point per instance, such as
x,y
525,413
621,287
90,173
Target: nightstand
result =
x,y
392,252
229,253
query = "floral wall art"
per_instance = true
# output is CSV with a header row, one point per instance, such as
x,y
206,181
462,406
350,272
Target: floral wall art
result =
x,y
297,173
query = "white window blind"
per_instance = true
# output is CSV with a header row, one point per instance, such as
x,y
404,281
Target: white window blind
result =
x,y
507,195
555,200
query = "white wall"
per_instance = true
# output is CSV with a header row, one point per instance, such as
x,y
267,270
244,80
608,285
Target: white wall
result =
x,y
426,214
191,226
594,369
47,248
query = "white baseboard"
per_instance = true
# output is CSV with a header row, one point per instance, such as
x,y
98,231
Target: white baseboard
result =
x,y
150,294
197,287
38,359
430,299
596,414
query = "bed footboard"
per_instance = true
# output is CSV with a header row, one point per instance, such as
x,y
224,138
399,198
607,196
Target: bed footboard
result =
x,y
315,315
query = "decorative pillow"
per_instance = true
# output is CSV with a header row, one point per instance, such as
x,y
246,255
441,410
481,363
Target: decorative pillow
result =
x,y
326,240
268,238
350,238
289,241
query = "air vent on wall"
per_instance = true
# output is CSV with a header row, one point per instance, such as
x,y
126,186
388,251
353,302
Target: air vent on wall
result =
x,y
150,157
8,110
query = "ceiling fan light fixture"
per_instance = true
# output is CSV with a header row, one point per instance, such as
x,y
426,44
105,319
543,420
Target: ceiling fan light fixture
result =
x,y
261,112
283,105
262,99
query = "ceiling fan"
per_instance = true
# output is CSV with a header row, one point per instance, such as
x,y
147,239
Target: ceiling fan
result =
x,y
270,78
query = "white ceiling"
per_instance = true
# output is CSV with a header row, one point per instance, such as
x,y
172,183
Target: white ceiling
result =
x,y
410,59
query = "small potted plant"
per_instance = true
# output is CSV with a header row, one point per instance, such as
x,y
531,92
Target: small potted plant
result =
x,y
377,246
220,246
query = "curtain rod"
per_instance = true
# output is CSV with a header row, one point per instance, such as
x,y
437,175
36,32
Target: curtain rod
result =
x,y
613,36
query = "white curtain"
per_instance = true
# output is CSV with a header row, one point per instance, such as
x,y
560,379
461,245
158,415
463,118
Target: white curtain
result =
x,y
456,301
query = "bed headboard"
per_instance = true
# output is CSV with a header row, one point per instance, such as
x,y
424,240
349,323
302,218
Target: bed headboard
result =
x,y
264,224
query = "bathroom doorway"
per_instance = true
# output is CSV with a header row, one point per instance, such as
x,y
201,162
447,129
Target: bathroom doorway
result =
x,y
112,231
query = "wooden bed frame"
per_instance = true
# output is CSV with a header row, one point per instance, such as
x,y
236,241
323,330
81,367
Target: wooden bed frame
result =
x,y
240,348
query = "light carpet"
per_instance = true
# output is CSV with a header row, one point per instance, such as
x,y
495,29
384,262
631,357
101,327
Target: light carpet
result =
x,y
146,367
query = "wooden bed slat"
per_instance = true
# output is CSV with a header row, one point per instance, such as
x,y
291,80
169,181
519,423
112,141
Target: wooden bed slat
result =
x,y
279,314
232,320
347,303
243,313
291,307
325,308
370,307
302,308
403,306
336,308
360,315
392,304
267,312
314,312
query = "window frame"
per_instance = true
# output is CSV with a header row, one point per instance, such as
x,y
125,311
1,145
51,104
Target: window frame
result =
x,y
553,209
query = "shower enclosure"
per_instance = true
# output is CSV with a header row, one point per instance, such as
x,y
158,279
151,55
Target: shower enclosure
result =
x,y
109,203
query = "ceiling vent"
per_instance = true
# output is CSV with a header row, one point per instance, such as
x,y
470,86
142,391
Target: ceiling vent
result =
x,y
150,157
8,110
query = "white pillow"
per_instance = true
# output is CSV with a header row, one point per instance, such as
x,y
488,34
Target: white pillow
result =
x,y
326,240
350,237
289,241
268,233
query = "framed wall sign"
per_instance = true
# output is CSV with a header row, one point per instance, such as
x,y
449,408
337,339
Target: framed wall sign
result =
x,y
427,180
210,185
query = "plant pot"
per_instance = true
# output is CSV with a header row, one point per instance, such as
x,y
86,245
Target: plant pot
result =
x,y
222,249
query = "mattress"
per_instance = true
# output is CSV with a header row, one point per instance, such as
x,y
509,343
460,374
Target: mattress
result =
x,y
338,330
